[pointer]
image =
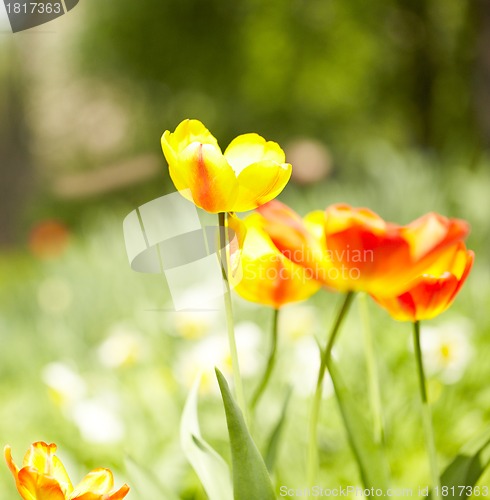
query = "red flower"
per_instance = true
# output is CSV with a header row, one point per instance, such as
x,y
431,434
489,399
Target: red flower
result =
x,y
434,291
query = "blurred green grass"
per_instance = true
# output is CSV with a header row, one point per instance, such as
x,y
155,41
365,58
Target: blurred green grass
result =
x,y
62,311
398,95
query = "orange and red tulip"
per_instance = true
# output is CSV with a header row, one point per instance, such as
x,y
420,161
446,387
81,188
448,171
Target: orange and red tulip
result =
x,y
267,276
43,477
372,255
49,239
301,240
434,291
251,171
354,249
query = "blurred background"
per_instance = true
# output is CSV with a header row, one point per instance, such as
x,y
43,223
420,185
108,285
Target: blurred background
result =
x,y
386,106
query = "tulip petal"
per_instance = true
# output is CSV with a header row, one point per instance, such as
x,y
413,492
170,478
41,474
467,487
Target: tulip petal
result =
x,y
469,257
378,262
96,485
268,277
285,227
431,296
10,462
433,232
452,258
259,183
33,485
237,231
248,149
315,223
256,242
41,456
428,296
98,482
203,176
300,240
340,217
120,493
187,132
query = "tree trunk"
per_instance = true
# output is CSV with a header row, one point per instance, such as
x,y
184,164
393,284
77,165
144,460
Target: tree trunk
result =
x,y
482,83
15,160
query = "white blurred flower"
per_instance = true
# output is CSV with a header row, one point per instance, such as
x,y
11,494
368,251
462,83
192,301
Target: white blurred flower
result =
x,y
97,421
202,358
295,321
194,324
96,418
54,295
213,351
124,346
305,366
65,384
447,350
250,341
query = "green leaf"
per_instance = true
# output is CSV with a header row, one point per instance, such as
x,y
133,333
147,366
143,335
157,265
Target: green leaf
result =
x,y
467,467
275,437
250,476
145,482
370,456
211,469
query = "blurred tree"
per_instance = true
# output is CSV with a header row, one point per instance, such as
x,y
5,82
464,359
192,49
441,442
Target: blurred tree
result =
x,y
16,172
482,86
335,70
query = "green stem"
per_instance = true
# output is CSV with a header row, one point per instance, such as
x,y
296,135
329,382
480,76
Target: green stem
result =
x,y
223,241
426,414
317,398
270,363
372,372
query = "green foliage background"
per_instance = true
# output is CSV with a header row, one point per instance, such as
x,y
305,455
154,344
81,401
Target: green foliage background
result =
x,y
398,93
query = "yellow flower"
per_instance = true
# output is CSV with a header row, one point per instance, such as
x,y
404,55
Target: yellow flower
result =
x,y
251,171
43,477
267,276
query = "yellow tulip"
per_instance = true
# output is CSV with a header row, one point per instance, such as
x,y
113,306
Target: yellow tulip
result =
x,y
251,171
267,276
43,477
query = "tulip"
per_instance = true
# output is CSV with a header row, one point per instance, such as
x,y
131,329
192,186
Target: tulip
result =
x,y
267,276
434,291
378,257
425,297
49,239
43,477
248,174
354,249
301,240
